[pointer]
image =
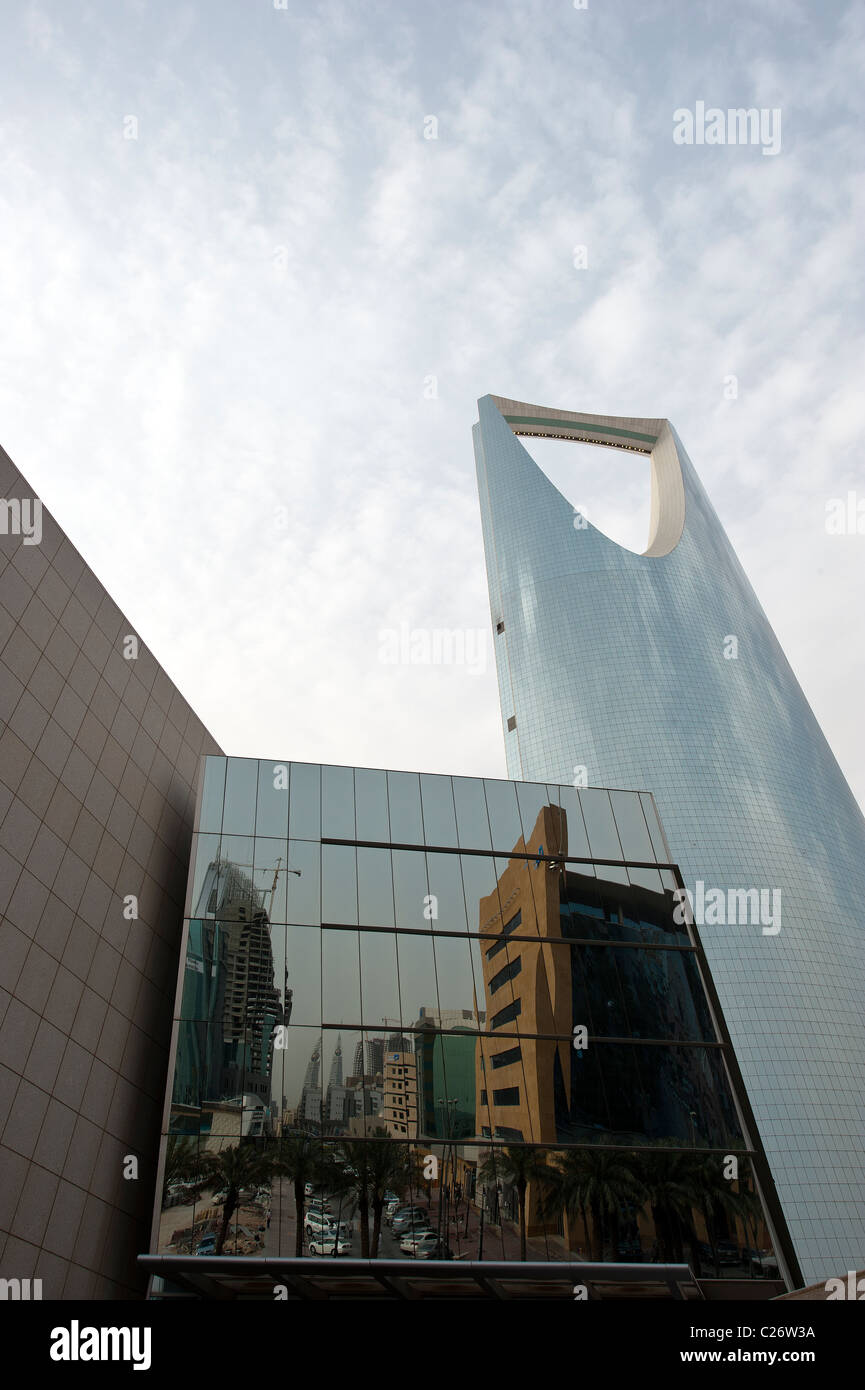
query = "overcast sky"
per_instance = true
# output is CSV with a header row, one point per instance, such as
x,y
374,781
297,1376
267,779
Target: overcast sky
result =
x,y
232,262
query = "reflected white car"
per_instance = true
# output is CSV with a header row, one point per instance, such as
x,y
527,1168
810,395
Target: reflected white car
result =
x,y
327,1243
316,1223
410,1244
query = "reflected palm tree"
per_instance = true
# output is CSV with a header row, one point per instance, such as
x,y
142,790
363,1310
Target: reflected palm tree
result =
x,y
516,1167
300,1160
182,1163
378,1167
233,1169
669,1185
594,1183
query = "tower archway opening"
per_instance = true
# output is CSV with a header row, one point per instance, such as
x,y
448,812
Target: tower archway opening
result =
x,y
611,487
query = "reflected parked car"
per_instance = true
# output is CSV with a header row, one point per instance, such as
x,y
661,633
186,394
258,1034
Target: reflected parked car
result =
x,y
320,1204
206,1246
400,1208
410,1242
328,1243
410,1221
433,1249
316,1222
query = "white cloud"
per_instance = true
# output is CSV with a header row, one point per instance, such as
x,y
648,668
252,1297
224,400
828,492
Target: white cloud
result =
x,y
237,311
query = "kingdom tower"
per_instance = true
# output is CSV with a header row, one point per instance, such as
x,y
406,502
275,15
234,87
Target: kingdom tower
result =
x,y
662,671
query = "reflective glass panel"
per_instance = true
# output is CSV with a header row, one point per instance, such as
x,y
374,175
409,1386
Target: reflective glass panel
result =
x,y
374,887
303,882
338,883
439,818
406,820
212,794
337,803
473,825
370,789
272,810
241,785
305,801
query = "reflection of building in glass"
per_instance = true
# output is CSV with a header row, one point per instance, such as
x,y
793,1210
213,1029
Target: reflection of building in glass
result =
x,y
661,670
365,1087
579,951
555,911
335,1102
446,1045
231,1005
310,1096
400,1099
369,1057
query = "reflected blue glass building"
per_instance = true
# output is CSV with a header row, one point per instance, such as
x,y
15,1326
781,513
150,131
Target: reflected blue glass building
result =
x,y
661,670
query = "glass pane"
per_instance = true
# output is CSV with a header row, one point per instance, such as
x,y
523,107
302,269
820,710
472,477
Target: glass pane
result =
x,y
417,979
448,908
205,853
439,818
303,1076
576,841
305,797
406,822
471,811
600,825
411,890
238,849
631,825
447,1070
340,977
655,830
611,873
505,823
539,828
270,877
340,1099
646,878
374,887
338,883
479,882
337,802
379,978
303,976
303,879
212,794
241,788
370,789
455,984
272,812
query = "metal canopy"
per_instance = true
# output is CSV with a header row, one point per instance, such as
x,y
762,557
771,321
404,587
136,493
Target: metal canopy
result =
x,y
259,1277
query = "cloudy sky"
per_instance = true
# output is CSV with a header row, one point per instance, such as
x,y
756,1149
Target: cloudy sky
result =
x,y
248,305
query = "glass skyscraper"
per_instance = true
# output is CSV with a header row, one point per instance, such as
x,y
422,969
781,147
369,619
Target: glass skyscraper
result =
x,y
661,670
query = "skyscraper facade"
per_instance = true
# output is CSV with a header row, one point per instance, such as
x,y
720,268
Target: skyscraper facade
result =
x,y
661,670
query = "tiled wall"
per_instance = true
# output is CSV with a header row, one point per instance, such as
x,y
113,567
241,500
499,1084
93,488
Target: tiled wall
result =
x,y
98,765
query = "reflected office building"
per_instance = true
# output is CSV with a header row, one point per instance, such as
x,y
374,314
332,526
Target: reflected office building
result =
x,y
230,1010
384,968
